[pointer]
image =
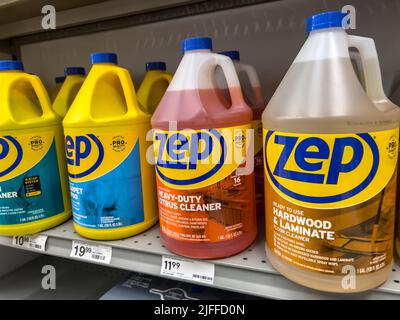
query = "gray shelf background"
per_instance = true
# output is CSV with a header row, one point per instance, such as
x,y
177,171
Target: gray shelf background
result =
x,y
141,34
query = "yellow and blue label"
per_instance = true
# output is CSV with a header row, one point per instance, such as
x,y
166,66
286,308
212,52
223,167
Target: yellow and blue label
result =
x,y
329,171
189,159
30,186
105,177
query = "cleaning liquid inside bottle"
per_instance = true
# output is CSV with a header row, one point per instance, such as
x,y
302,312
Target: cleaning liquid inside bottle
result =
x,y
330,162
206,207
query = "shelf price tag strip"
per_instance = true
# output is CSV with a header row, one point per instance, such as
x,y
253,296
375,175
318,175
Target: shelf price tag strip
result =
x,y
34,242
187,269
91,252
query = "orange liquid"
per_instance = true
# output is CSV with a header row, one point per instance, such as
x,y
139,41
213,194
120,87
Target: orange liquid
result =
x,y
207,109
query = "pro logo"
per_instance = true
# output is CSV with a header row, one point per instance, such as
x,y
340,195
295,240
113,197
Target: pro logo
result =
x,y
84,154
10,154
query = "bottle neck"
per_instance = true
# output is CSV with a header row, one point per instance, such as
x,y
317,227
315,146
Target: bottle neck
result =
x,y
324,44
11,71
198,51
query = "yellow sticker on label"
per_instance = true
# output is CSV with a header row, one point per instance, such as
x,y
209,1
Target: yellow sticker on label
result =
x,y
21,153
189,159
326,171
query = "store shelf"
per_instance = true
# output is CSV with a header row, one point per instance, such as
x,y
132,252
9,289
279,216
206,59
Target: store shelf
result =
x,y
74,280
248,272
26,18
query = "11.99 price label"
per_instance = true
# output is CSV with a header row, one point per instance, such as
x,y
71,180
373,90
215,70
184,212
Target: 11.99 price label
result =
x,y
187,269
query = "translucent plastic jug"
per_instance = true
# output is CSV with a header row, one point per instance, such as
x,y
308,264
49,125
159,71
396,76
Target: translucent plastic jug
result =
x,y
205,197
153,86
112,185
74,77
33,179
58,81
330,156
256,100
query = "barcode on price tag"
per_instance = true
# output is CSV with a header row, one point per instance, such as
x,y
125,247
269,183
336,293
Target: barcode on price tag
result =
x,y
91,252
187,269
34,242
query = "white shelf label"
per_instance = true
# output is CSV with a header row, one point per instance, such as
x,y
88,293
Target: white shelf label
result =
x,y
91,252
187,269
34,242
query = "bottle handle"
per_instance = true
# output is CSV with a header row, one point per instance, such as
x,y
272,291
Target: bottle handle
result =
x,y
232,79
371,68
144,97
129,91
252,75
41,93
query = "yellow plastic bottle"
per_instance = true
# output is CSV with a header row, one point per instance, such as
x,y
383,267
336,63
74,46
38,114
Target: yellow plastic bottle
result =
x,y
33,185
154,85
112,184
59,82
74,77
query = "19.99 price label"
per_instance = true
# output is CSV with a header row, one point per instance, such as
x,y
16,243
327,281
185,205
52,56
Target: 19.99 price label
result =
x,y
91,252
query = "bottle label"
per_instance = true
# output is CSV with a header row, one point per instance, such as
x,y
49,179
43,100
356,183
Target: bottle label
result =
x,y
105,177
205,190
331,199
258,165
30,186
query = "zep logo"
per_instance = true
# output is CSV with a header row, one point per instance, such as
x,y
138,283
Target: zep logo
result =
x,y
10,155
84,153
329,170
197,158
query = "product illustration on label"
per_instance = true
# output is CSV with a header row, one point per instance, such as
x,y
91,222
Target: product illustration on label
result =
x,y
105,179
30,186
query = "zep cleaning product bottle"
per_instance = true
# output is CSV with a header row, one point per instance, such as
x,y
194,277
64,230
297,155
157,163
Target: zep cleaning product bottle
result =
x,y
112,185
74,77
204,159
59,81
154,85
33,184
256,100
330,155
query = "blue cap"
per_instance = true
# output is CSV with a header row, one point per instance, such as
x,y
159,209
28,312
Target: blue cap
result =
x,y
60,79
104,57
6,65
234,55
332,19
156,65
69,71
203,43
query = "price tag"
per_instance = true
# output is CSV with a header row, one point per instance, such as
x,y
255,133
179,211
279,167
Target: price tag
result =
x,y
194,270
91,252
34,242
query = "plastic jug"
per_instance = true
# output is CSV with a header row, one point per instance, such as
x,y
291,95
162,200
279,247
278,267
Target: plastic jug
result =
x,y
330,156
112,185
205,193
257,101
74,77
59,81
33,185
154,85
